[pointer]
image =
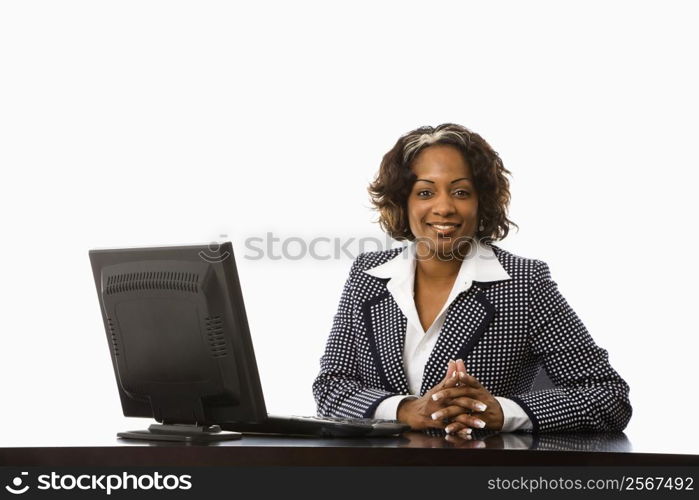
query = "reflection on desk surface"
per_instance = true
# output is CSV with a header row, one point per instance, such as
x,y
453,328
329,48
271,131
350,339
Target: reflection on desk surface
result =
x,y
596,442
486,448
590,442
672,441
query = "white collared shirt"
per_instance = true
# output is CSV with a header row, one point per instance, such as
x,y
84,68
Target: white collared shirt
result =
x,y
480,265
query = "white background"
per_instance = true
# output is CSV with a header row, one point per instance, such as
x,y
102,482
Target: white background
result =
x,y
136,123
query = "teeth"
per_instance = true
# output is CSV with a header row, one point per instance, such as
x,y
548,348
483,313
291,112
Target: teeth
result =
x,y
444,228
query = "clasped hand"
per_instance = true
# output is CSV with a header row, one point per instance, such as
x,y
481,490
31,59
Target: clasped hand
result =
x,y
458,404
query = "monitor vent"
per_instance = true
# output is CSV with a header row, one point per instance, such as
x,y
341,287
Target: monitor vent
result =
x,y
214,334
152,280
113,336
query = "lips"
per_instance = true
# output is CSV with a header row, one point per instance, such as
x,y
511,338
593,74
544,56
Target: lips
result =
x,y
444,228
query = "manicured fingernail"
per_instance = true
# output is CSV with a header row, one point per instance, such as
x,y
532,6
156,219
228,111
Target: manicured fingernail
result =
x,y
465,432
479,406
436,415
449,429
462,374
459,360
453,375
478,423
435,397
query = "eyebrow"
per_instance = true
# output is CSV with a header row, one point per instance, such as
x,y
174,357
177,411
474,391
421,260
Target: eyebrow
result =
x,y
452,182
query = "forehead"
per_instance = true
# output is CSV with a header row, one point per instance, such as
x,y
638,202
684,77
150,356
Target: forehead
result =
x,y
440,161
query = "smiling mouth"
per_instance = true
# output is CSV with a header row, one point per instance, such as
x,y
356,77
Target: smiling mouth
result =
x,y
444,229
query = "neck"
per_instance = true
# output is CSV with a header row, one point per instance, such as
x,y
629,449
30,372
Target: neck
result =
x,y
436,269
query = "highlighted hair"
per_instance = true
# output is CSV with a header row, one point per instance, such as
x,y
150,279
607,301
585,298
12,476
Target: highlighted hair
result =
x,y
393,183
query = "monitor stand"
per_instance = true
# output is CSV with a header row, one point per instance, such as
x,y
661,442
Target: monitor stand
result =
x,y
182,432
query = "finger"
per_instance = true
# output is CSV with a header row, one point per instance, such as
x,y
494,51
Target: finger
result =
x,y
451,381
451,367
469,404
460,366
454,427
473,421
469,380
447,413
451,392
457,428
435,424
444,384
451,370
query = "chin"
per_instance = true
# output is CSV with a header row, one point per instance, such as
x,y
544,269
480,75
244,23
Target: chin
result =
x,y
447,250
460,248
443,249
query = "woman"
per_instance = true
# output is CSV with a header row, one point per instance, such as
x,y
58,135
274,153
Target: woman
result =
x,y
406,314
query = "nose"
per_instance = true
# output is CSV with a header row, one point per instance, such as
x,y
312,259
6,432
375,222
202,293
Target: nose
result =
x,y
443,205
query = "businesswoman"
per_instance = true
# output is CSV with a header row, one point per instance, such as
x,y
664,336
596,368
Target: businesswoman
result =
x,y
450,331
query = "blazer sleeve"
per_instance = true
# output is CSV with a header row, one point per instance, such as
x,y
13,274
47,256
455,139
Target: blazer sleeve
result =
x,y
589,395
338,390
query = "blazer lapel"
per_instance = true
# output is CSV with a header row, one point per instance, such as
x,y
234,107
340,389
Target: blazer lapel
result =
x,y
385,327
467,319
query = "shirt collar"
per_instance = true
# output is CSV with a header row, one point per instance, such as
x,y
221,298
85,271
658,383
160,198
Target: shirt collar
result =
x,y
481,265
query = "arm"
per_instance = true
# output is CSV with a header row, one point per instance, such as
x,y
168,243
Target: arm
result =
x,y
514,417
388,408
337,389
589,394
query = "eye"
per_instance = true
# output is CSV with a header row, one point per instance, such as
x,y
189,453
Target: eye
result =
x,y
462,193
424,193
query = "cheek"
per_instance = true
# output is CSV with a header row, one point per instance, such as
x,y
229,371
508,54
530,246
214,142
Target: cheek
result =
x,y
415,215
469,209
414,212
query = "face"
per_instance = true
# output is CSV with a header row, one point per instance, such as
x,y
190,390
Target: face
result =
x,y
443,203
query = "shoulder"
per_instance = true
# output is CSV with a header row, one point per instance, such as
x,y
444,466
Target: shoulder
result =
x,y
364,283
518,267
369,260
521,268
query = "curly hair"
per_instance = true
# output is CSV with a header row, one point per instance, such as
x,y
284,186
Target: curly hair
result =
x,y
393,183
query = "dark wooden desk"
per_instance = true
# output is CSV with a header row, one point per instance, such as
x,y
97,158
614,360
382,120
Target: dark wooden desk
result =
x,y
411,449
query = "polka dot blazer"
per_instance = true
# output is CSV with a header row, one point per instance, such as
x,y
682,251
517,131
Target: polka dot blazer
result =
x,y
505,331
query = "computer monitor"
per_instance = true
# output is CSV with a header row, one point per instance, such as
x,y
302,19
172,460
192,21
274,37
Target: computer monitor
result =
x,y
179,339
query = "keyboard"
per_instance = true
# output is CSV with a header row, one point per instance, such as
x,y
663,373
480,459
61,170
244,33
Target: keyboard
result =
x,y
320,426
